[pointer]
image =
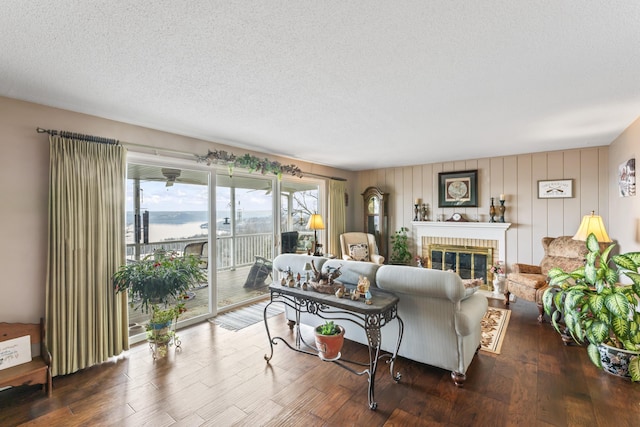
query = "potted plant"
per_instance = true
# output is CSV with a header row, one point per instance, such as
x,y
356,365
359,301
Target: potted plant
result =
x,y
597,308
400,247
161,278
159,326
329,340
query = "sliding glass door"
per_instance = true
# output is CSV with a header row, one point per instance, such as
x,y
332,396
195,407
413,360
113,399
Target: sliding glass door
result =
x,y
167,209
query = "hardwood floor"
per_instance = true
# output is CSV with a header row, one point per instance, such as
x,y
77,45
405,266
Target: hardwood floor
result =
x,y
220,378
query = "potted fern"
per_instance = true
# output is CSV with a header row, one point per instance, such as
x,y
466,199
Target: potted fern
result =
x,y
600,310
329,340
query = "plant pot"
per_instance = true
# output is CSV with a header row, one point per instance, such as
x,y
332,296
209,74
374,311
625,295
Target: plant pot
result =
x,y
329,346
616,360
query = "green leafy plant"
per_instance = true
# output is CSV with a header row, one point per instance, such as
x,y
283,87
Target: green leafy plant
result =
x,y
595,306
400,247
328,328
161,316
160,278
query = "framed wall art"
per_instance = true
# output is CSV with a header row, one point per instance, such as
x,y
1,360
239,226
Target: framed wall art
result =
x,y
627,178
458,189
555,189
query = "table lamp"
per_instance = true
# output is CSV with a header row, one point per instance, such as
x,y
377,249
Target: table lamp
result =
x,y
592,224
315,223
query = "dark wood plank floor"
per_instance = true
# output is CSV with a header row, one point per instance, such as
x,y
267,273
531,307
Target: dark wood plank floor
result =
x,y
220,378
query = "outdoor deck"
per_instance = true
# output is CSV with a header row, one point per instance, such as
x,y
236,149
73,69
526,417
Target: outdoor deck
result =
x,y
231,292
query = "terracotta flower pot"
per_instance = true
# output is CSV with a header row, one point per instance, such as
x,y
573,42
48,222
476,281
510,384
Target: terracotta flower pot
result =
x,y
329,346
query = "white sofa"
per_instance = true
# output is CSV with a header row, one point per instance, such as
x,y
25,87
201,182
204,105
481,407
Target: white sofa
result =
x,y
441,318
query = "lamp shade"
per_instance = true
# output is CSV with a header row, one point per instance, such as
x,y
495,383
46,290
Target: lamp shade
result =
x,y
592,224
315,222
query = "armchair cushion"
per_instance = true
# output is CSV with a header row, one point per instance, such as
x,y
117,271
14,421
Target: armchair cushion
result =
x,y
359,251
347,240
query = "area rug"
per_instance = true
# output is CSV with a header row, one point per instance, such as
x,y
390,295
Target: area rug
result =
x,y
494,327
246,316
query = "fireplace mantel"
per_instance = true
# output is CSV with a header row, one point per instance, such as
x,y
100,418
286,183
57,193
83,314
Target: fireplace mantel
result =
x,y
461,230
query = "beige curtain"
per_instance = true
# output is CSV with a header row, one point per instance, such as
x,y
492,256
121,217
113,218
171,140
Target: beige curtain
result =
x,y
86,320
337,218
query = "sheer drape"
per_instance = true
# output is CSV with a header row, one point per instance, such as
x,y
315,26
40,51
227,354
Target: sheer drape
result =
x,y
86,320
337,218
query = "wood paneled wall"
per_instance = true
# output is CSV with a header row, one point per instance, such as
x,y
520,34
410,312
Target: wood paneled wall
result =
x,y
515,176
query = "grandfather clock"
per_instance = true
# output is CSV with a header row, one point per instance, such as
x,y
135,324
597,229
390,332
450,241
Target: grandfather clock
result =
x,y
375,217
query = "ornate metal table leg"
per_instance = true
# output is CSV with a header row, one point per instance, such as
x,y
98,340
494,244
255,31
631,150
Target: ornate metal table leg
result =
x,y
266,326
396,377
372,329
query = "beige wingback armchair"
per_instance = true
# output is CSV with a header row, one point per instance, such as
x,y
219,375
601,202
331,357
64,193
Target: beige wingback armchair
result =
x,y
358,246
529,282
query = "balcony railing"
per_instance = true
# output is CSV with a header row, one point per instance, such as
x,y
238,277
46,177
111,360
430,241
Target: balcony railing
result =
x,y
231,252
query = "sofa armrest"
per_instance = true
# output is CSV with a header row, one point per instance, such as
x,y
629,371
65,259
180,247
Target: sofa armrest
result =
x,y
347,258
526,268
471,312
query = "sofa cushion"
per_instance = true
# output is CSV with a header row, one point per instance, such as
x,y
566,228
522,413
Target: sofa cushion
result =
x,y
359,251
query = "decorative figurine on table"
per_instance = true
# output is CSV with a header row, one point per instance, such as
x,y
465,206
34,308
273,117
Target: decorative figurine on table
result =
x,y
361,289
298,277
367,298
340,293
288,275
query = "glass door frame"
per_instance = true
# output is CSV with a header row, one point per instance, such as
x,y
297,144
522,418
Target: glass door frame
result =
x,y
180,163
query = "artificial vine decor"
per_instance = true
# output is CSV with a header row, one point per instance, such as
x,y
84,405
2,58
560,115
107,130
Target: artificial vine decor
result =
x,y
247,161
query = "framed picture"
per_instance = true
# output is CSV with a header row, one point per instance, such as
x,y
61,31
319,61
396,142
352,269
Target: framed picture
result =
x,y
627,178
555,189
458,189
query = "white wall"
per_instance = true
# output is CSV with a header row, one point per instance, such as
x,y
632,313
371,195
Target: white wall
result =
x,y
516,177
626,210
24,177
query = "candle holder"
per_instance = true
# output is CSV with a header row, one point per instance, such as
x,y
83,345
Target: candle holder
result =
x,y
416,211
425,212
502,208
492,211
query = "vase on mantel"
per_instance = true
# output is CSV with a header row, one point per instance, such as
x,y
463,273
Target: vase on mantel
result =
x,y
498,284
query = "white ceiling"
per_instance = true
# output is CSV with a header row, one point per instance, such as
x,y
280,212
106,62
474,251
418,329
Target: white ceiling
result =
x,y
355,84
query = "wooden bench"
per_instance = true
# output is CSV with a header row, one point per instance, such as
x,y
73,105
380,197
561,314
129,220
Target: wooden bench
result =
x,y
38,371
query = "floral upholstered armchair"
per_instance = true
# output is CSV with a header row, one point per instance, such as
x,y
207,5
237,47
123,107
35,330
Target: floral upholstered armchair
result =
x,y
358,246
530,281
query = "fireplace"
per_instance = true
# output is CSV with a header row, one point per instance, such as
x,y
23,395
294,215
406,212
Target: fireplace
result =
x,y
468,261
469,248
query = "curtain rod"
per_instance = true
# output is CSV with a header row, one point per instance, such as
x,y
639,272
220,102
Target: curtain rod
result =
x,y
79,136
90,138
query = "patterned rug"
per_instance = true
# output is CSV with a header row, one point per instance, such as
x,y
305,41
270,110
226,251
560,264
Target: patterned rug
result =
x,y
494,327
246,316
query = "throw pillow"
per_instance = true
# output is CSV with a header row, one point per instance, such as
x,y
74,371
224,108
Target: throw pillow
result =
x,y
470,286
359,252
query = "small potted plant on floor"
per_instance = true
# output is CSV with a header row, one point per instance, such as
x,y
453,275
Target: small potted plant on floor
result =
x,y
329,340
400,247
600,310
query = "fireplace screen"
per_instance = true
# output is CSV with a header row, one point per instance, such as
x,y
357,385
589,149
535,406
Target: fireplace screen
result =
x,y
468,262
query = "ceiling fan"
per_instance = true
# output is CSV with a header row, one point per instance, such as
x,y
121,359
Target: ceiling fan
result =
x,y
171,175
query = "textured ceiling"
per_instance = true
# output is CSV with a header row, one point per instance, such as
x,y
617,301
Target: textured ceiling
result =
x,y
354,84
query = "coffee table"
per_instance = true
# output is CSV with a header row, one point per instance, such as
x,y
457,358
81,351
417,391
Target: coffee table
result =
x,y
370,317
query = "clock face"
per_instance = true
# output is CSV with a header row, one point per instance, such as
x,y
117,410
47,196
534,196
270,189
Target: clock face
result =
x,y
456,217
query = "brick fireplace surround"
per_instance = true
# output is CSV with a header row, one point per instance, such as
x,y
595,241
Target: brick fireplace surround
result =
x,y
471,234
